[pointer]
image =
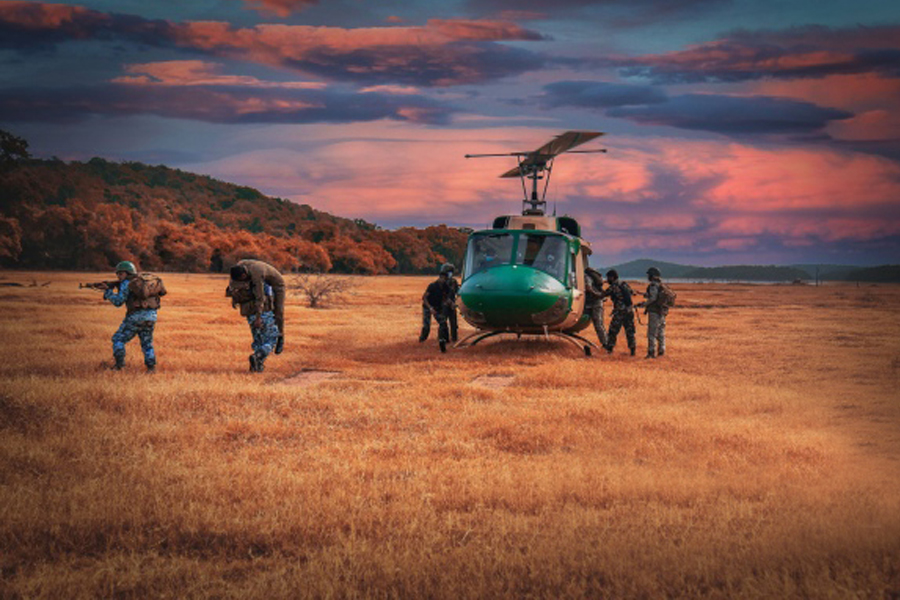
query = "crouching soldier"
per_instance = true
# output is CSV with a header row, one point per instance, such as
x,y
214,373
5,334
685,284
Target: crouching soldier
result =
x,y
260,274
140,294
260,316
434,304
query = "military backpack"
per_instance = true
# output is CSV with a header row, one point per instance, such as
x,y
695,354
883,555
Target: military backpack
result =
x,y
666,297
144,291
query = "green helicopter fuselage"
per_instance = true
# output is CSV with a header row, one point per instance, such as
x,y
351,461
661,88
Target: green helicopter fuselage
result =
x,y
526,276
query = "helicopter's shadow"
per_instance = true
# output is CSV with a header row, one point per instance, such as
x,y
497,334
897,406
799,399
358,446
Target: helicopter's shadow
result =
x,y
529,350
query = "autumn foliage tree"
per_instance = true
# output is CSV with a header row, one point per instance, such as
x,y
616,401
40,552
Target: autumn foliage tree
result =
x,y
91,215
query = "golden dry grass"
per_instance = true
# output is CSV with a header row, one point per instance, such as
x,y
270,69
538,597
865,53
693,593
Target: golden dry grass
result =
x,y
759,459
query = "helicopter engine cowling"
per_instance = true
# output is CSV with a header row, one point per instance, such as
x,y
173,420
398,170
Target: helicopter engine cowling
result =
x,y
515,298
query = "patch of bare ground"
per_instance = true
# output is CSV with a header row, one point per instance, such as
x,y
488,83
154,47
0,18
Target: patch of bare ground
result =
x,y
757,459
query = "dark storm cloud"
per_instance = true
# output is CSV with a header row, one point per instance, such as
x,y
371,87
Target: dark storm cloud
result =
x,y
217,105
812,51
28,26
454,64
598,94
440,53
732,114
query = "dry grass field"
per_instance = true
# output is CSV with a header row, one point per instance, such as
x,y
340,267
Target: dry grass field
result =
x,y
759,459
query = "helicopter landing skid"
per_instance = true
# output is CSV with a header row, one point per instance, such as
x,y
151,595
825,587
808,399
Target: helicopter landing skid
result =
x,y
579,342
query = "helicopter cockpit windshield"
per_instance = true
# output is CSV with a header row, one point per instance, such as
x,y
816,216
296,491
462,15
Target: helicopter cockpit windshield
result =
x,y
489,250
544,252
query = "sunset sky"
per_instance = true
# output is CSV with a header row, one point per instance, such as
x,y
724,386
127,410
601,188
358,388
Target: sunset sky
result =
x,y
739,131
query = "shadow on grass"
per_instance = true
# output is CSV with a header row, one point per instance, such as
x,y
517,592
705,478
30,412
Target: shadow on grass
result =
x,y
530,350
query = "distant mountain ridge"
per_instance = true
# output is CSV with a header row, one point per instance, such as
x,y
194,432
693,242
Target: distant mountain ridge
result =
x,y
637,269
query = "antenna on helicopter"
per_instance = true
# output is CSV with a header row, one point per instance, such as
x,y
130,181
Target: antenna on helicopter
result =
x,y
533,164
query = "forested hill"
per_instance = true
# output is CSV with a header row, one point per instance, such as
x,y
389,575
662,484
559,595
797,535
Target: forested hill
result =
x,y
89,216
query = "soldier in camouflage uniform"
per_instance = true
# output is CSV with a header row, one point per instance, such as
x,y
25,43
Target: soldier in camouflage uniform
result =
x,y
450,301
623,311
140,317
260,317
260,274
656,314
593,302
434,304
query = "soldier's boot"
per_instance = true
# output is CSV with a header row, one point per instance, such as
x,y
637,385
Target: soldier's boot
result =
x,y
650,354
661,352
151,367
632,349
279,345
120,362
260,363
608,348
254,363
443,345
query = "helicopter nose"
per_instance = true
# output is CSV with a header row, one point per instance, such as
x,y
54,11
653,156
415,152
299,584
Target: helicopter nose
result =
x,y
512,295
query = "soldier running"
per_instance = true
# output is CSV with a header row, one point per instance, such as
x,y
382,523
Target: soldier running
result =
x,y
434,304
260,273
656,312
623,311
140,315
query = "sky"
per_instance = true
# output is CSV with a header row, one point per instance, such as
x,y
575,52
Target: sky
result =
x,y
738,131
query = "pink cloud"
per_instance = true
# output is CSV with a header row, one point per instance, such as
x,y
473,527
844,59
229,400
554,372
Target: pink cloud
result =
x,y
442,52
198,72
38,15
281,8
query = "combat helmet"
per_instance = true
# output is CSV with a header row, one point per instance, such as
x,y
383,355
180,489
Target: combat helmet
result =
x,y
612,274
447,268
654,272
127,266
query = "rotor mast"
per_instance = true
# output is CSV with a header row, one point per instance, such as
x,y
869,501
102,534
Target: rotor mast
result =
x,y
532,165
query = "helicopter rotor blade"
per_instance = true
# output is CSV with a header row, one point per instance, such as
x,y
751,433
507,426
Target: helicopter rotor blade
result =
x,y
504,154
565,142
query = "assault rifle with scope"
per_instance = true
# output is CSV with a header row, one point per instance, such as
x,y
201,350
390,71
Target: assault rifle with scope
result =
x,y
100,285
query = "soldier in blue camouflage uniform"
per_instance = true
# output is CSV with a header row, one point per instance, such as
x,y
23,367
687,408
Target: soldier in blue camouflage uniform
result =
x,y
140,318
265,334
656,314
260,316
623,311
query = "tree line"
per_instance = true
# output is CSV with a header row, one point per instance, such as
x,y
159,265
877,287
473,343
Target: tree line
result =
x,y
90,215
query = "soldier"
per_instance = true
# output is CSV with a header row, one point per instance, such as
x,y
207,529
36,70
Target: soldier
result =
x,y
434,303
593,304
141,299
259,274
656,312
450,301
260,317
623,311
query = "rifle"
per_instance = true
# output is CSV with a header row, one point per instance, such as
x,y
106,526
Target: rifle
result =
x,y
100,285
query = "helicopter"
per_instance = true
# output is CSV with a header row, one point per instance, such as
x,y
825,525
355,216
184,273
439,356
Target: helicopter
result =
x,y
526,274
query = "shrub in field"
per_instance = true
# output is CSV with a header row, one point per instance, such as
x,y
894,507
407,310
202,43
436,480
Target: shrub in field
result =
x,y
320,288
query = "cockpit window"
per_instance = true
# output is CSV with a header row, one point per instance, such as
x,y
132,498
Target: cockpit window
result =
x,y
487,251
544,252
